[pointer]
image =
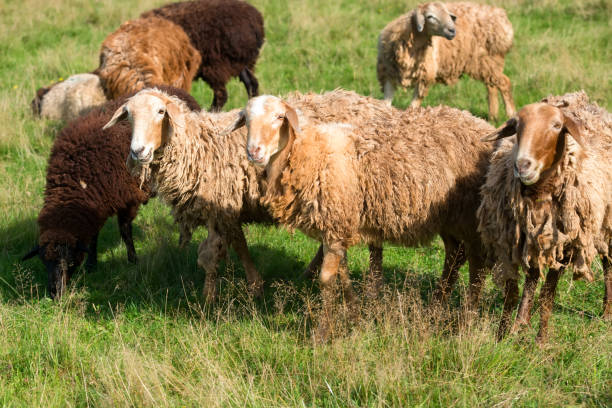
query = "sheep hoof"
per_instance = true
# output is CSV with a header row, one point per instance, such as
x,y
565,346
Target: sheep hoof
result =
x,y
256,289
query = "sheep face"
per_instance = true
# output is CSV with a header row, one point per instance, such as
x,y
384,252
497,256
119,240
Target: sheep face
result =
x,y
61,261
153,117
541,131
268,120
435,20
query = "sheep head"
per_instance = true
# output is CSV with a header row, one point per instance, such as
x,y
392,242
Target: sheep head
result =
x,y
269,121
154,117
434,19
541,131
60,260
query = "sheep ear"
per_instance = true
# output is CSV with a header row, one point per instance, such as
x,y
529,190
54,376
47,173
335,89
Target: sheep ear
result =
x,y
507,130
419,20
238,123
292,118
33,252
120,114
574,129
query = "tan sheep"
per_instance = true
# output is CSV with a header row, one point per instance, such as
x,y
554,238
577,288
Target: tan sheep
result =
x,y
146,52
547,201
396,176
438,42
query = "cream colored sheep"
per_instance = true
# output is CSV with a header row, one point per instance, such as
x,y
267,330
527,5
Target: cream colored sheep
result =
x,y
438,42
68,99
396,176
547,201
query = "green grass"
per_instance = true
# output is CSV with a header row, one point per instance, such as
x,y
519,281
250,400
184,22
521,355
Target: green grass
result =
x,y
140,335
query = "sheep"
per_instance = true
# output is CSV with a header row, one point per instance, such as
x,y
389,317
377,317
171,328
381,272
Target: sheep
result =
x,y
66,100
227,33
140,53
87,182
438,42
397,176
204,178
547,202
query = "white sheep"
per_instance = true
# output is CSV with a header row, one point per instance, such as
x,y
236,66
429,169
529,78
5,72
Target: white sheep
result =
x,y
438,42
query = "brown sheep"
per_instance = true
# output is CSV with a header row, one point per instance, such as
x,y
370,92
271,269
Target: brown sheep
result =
x,y
397,176
146,52
547,201
438,42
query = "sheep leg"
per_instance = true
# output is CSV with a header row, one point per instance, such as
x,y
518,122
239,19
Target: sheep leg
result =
x,y
254,280
421,90
210,251
477,277
607,267
125,229
493,102
184,235
329,269
92,254
314,265
375,278
389,91
525,308
547,298
250,82
220,97
505,87
454,258
510,301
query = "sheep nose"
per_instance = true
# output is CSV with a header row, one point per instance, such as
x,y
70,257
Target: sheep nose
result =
x,y
452,31
135,153
523,165
254,152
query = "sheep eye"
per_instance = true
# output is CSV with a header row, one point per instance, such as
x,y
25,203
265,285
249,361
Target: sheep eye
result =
x,y
432,18
161,111
557,125
280,117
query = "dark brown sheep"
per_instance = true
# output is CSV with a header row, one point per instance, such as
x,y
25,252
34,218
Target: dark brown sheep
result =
x,y
87,182
227,33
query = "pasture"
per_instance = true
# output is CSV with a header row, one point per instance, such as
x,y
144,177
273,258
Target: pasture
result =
x,y
141,335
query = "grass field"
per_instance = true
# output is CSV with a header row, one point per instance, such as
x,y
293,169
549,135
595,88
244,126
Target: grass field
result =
x,y
140,335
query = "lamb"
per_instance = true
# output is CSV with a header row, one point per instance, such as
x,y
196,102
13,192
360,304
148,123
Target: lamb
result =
x,y
438,42
227,33
87,182
397,176
547,201
140,53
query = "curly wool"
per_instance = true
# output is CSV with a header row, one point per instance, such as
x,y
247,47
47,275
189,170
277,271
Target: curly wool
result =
x,y
146,52
565,222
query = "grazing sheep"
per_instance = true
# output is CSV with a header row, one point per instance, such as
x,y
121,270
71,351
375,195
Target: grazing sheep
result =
x,y
547,201
438,42
227,33
146,52
398,176
140,53
87,182
66,100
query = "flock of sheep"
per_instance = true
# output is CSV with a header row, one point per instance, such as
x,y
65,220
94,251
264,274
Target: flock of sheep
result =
x,y
342,168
